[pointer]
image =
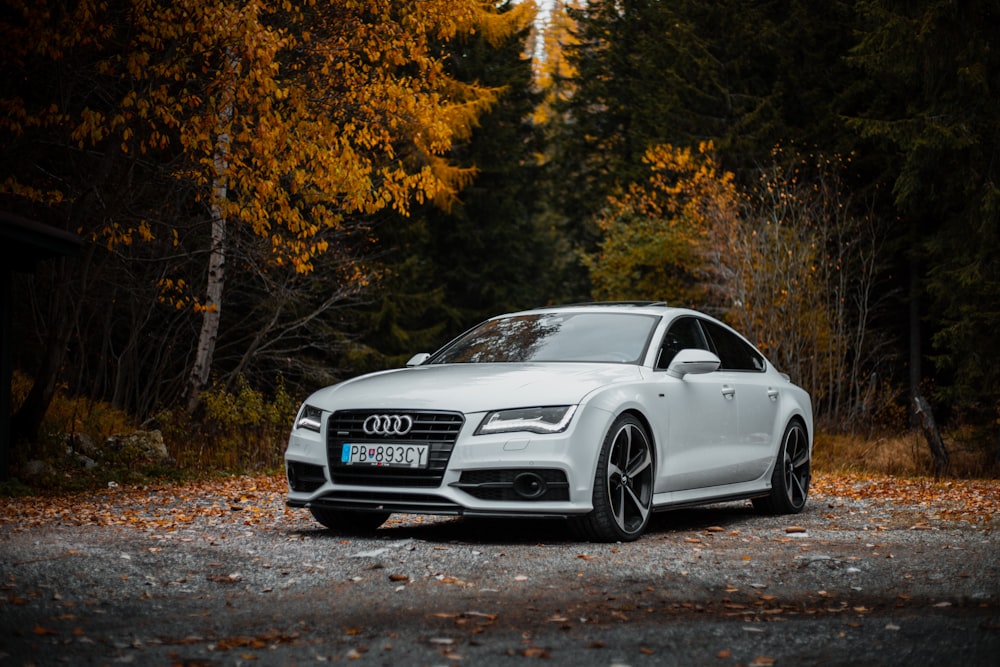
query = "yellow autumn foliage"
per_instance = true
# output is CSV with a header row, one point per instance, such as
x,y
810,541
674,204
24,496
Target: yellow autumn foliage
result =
x,y
554,73
307,111
660,237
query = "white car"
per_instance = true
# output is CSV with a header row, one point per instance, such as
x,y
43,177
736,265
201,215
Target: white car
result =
x,y
598,413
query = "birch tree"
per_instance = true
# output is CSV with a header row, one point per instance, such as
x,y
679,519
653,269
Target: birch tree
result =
x,y
284,120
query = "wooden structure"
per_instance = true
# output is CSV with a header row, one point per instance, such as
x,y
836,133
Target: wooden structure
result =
x,y
23,243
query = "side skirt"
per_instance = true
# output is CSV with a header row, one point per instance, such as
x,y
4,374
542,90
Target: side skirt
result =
x,y
721,494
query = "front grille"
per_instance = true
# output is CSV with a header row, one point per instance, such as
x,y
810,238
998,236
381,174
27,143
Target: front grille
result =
x,y
437,429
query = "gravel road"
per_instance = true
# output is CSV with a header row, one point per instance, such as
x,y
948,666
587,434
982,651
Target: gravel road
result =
x,y
225,575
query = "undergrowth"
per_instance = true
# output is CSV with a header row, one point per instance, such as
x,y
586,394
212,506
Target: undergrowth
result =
x,y
233,432
238,431
902,455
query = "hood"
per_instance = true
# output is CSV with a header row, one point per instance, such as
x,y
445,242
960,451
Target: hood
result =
x,y
471,388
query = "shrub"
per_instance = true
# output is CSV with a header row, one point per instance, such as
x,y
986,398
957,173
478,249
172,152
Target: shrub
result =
x,y
241,430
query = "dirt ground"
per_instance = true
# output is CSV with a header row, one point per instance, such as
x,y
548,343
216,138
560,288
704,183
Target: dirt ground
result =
x,y
876,571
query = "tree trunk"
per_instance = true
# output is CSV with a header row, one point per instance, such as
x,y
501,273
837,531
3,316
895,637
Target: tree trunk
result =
x,y
916,353
939,454
212,310
26,421
205,352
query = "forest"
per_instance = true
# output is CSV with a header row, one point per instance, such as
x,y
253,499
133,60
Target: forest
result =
x,y
274,196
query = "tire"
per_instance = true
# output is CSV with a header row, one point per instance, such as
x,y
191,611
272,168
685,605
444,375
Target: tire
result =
x,y
623,485
790,479
346,521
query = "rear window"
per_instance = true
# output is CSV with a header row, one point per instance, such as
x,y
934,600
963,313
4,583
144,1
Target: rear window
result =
x,y
735,353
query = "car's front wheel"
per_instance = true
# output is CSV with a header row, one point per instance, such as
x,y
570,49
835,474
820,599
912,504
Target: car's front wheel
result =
x,y
790,479
345,521
623,485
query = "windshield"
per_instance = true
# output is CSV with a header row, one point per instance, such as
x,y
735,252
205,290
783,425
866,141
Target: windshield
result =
x,y
604,337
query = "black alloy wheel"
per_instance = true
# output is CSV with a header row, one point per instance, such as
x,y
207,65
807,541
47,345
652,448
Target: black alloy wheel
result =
x,y
790,479
623,485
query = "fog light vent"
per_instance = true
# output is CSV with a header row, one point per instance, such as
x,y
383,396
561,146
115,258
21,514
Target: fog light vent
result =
x,y
515,485
305,477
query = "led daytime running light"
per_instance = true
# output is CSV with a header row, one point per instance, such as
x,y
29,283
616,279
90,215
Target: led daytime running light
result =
x,y
541,420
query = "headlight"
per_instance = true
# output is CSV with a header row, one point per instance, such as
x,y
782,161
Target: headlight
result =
x,y
534,420
310,418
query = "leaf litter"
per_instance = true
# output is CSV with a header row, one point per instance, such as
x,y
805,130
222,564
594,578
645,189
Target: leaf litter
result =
x,y
256,501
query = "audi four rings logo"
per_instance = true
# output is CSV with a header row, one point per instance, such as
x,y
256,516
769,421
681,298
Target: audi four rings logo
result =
x,y
388,424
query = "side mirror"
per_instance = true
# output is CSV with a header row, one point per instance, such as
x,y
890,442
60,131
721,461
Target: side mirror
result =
x,y
694,362
418,359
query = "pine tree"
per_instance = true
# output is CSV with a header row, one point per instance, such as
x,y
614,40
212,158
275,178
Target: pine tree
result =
x,y
934,73
487,252
745,74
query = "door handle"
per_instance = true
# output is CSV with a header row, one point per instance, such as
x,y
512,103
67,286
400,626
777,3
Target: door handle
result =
x,y
772,393
728,391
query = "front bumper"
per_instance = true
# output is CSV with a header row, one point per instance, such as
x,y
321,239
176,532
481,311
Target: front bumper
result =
x,y
510,474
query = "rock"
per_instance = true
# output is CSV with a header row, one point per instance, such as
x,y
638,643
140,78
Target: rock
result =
x,y
38,468
84,444
147,445
85,461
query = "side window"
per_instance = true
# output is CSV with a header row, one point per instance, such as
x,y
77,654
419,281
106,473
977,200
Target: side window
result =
x,y
684,333
735,354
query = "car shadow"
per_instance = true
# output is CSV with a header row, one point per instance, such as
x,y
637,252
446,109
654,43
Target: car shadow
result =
x,y
498,531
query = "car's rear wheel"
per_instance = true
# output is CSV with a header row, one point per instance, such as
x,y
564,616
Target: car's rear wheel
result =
x,y
790,479
623,485
346,521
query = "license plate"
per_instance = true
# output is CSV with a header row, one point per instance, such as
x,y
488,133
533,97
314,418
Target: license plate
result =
x,y
385,455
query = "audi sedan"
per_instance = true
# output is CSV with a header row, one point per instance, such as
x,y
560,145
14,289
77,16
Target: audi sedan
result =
x,y
597,413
